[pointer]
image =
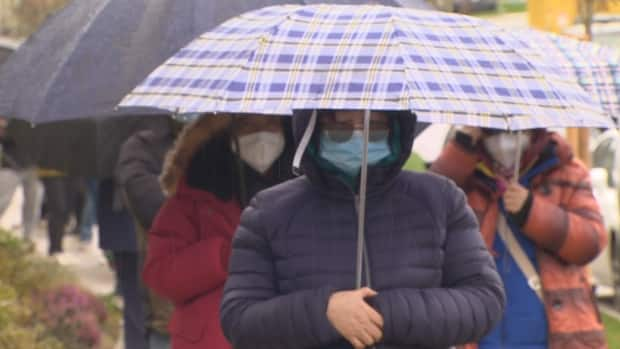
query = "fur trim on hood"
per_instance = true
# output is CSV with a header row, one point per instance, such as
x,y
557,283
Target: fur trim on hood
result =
x,y
189,141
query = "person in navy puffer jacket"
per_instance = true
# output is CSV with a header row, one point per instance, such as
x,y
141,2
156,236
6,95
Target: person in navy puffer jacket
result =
x,y
429,280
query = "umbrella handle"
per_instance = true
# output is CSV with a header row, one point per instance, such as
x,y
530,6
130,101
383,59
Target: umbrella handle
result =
x,y
517,168
361,213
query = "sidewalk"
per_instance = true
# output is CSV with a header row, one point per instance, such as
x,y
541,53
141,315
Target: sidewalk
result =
x,y
89,265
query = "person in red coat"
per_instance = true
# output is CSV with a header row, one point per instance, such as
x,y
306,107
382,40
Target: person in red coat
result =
x,y
217,164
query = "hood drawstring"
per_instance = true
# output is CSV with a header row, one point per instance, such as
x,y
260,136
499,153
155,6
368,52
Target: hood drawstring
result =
x,y
303,144
362,253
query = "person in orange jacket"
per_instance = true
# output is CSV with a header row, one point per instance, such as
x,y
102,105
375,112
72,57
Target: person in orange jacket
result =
x,y
555,218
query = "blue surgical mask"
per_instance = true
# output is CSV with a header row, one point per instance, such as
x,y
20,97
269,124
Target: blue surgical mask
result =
x,y
347,155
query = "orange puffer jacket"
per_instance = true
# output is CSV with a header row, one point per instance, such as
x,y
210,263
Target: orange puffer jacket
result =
x,y
565,224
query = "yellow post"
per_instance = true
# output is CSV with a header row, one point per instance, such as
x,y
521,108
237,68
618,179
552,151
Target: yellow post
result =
x,y
610,6
552,15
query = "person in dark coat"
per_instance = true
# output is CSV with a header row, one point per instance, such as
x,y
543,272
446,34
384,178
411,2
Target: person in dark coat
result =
x,y
429,280
140,164
217,164
117,235
61,197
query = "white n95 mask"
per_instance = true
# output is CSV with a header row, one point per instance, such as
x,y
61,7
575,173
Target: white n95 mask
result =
x,y
260,149
504,147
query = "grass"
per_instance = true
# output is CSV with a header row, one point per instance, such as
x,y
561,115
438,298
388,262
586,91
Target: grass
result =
x,y
612,329
503,8
512,7
414,163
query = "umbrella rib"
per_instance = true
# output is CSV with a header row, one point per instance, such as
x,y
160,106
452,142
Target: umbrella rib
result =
x,y
404,53
62,64
546,78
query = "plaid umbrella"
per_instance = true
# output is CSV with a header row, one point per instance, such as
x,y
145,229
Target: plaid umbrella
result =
x,y
446,68
596,68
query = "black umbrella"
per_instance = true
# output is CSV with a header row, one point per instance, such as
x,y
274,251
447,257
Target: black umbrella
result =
x,y
86,147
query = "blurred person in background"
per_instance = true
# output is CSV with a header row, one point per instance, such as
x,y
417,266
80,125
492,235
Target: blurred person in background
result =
x,y
217,164
543,228
139,166
18,168
117,236
60,200
89,212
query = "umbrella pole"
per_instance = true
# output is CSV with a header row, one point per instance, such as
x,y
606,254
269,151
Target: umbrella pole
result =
x,y
361,213
518,158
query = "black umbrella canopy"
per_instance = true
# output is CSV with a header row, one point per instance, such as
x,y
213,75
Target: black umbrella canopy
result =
x,y
85,147
90,54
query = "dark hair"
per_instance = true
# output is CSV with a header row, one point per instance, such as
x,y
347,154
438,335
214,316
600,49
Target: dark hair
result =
x,y
213,168
217,169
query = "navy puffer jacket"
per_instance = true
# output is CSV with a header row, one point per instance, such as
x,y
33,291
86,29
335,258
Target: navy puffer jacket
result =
x,y
296,245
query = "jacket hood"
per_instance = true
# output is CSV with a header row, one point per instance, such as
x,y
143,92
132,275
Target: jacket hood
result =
x,y
188,142
377,175
563,150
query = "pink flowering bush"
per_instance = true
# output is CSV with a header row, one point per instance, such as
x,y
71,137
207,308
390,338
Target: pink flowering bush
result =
x,y
73,315
41,306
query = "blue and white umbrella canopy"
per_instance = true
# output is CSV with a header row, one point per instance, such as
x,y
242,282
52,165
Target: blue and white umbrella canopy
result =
x,y
596,68
446,68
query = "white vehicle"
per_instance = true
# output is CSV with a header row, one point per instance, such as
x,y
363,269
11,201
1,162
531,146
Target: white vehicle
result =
x,y
605,176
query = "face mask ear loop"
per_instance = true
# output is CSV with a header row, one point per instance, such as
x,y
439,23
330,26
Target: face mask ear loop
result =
x,y
303,144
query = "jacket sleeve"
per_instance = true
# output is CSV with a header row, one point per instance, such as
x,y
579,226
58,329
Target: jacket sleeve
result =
x,y
470,301
253,313
575,232
456,163
138,173
178,266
